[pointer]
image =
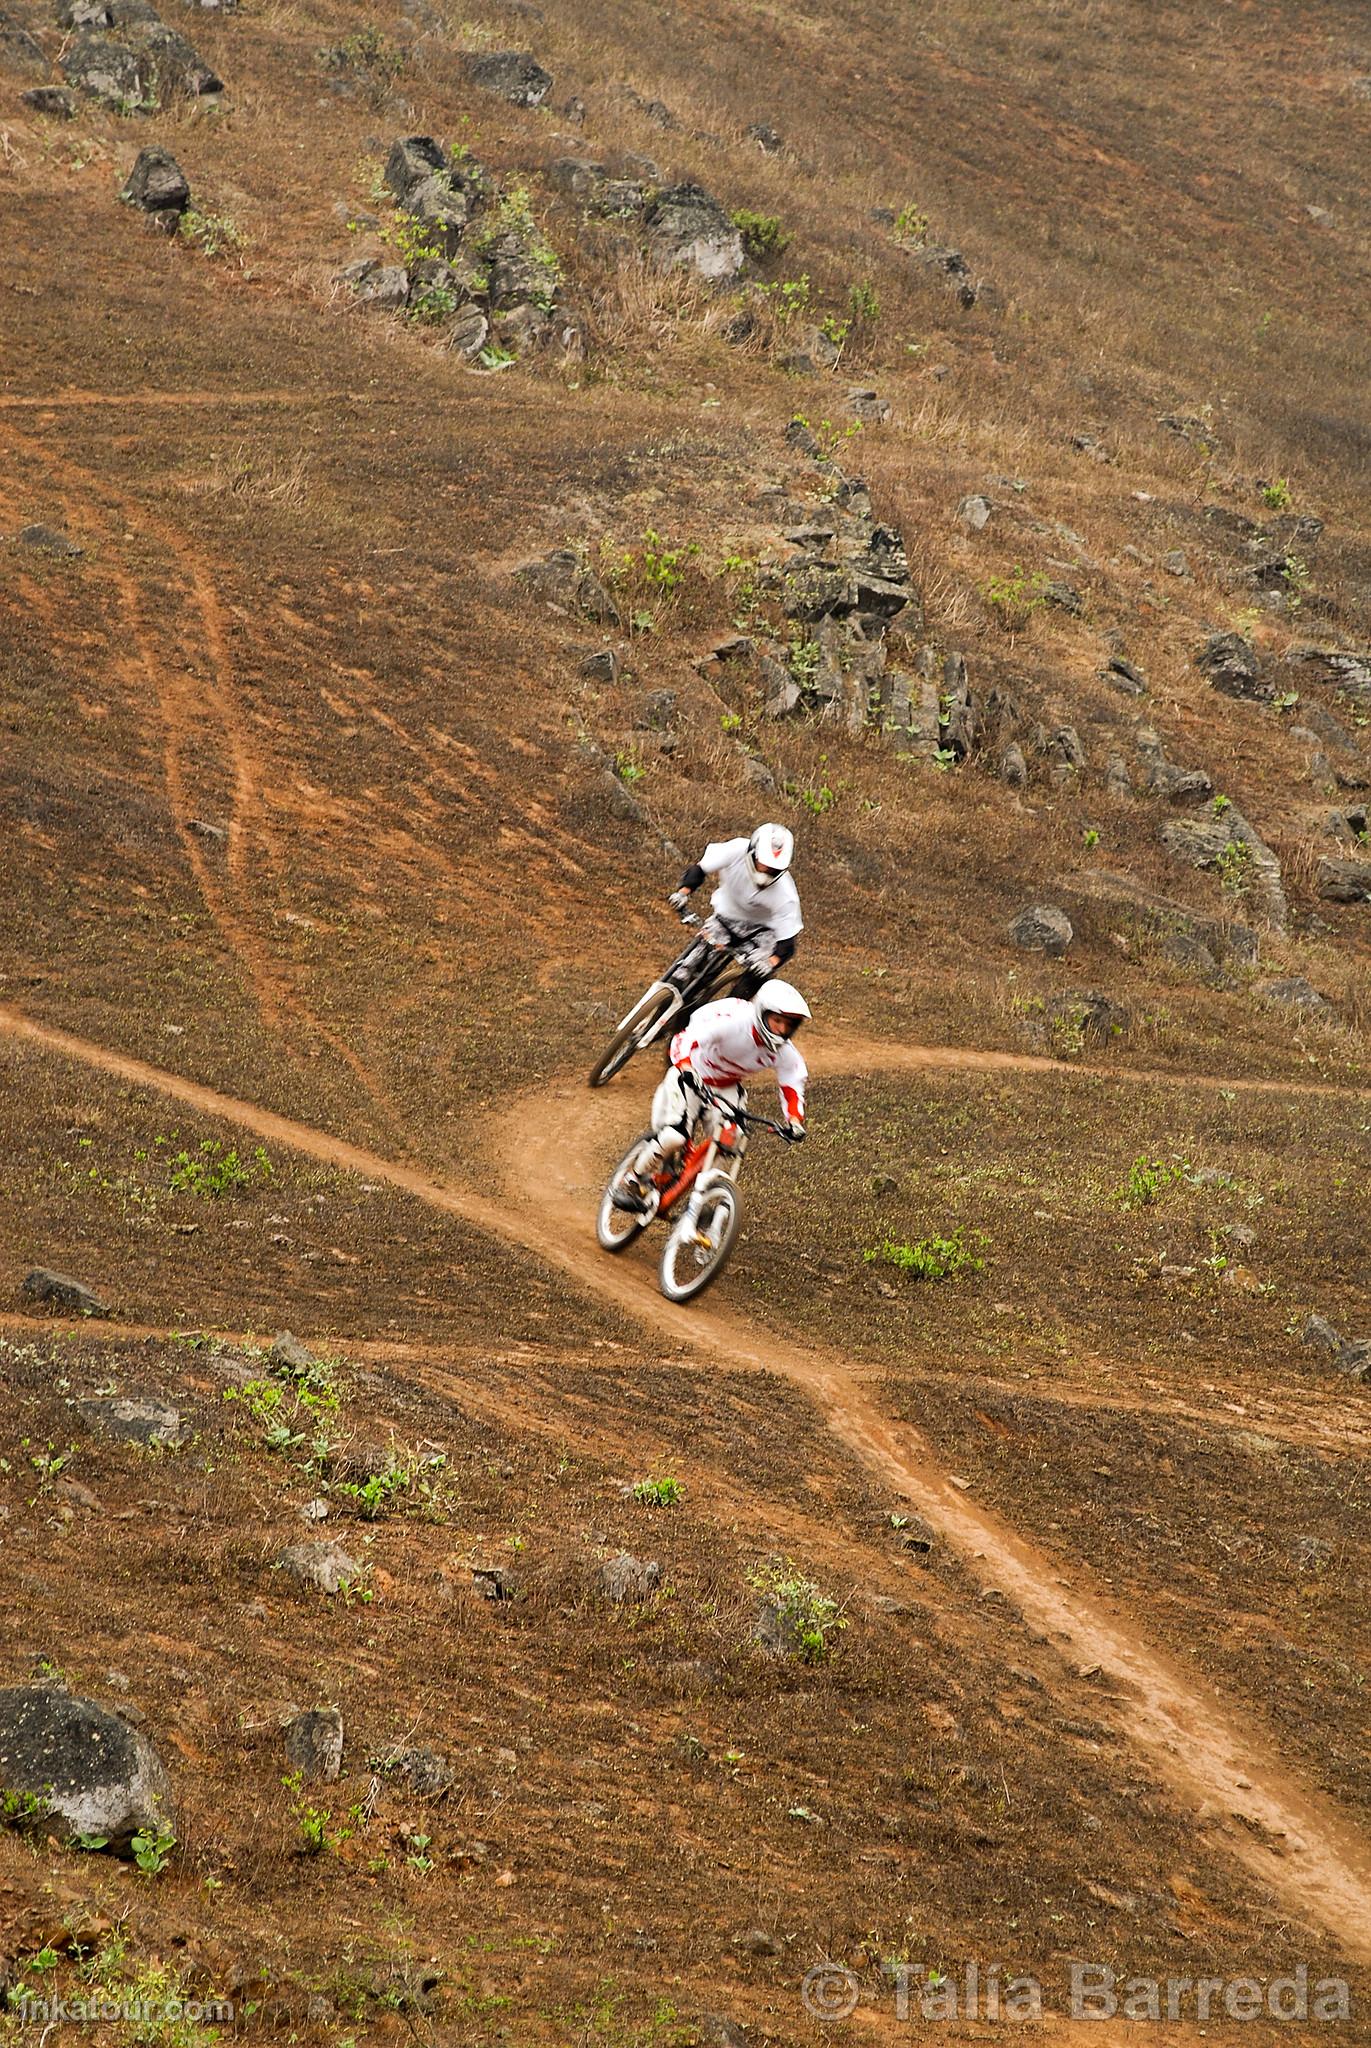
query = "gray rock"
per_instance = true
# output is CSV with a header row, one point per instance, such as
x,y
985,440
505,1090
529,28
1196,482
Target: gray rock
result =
x,y
1065,597
755,1941
522,327
1292,991
53,100
812,353
1013,767
974,512
157,184
511,75
690,229
289,1356
493,1582
1229,845
1042,928
383,289
626,1578
324,1566
442,210
95,1772
868,407
49,541
1344,881
314,1744
1117,780
1232,666
412,160
1240,1234
469,332
767,138
54,1290
1122,675
716,2030
427,1773
138,1418
563,579
1175,564
600,667
1354,1360
1319,1335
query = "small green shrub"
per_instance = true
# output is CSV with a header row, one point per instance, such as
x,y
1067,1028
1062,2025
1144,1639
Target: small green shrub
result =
x,y
213,234
791,295
366,54
810,1619
1016,597
932,1258
911,225
1277,495
1147,1181
212,1171
658,1493
1235,866
762,233
152,1847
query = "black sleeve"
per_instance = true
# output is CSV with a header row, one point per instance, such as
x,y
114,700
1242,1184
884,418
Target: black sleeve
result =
x,y
783,949
692,877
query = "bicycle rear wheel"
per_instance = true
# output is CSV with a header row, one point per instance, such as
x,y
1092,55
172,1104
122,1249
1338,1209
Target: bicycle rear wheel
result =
x,y
697,1251
617,1228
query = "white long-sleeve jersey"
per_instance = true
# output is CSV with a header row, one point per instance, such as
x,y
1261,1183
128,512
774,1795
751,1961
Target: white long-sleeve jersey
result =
x,y
722,1046
776,909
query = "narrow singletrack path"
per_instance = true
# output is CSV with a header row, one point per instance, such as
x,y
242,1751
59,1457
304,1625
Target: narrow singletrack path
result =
x,y
1222,1767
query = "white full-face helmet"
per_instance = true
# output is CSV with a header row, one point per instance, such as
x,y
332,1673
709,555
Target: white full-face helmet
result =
x,y
779,999
770,851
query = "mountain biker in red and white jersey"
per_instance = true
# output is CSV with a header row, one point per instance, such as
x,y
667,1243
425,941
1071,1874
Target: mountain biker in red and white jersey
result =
x,y
725,1045
755,900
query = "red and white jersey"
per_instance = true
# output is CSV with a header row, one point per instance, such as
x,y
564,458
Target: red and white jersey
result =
x,y
723,1047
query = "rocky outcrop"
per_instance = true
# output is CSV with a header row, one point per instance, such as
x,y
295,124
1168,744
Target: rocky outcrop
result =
x,y
690,230
1344,881
1232,665
19,51
1226,844
43,1288
1042,928
565,581
158,186
83,1765
511,75
124,55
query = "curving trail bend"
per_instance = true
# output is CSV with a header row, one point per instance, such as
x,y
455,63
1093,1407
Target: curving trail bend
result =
x,y
1221,1766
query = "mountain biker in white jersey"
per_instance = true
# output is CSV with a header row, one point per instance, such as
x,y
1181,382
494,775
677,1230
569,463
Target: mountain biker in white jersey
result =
x,y
756,900
725,1045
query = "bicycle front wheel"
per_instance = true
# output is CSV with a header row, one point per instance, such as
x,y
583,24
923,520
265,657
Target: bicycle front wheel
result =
x,y
697,1250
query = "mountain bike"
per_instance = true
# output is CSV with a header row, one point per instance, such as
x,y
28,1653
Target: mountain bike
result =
x,y
693,978
698,1191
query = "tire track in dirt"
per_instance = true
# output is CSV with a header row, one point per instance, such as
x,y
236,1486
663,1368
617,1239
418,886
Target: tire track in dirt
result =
x,y
1288,1836
178,695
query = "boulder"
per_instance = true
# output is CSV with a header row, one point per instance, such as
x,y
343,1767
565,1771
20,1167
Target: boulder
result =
x,y
49,541
563,579
868,407
1292,991
1042,928
137,1418
493,1582
1122,675
811,353
1013,767
412,159
1232,666
95,1772
383,288
314,1744
1227,844
1344,881
441,209
974,512
324,1566
427,1774
289,1357
53,100
512,75
519,275
106,69
626,1578
1349,1356
600,666
688,228
469,332
157,184
767,138
46,1289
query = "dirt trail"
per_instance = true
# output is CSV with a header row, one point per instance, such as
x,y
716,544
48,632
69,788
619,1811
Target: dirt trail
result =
x,y
1288,1836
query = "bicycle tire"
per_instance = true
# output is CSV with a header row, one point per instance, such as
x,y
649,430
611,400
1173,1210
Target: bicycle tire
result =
x,y
633,1034
616,1229
679,1281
